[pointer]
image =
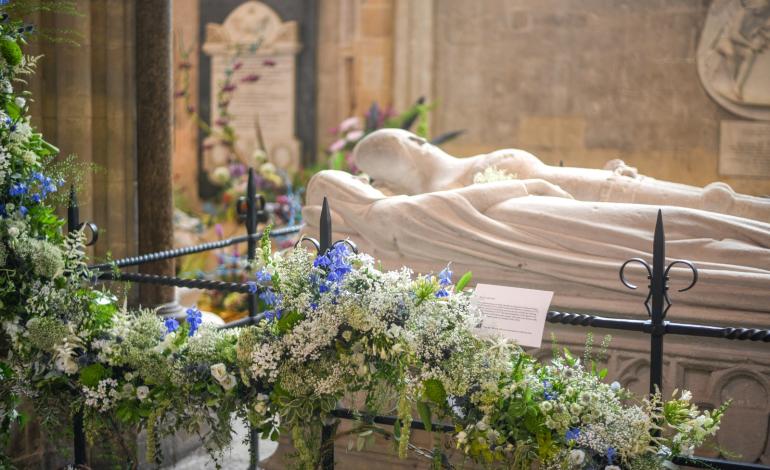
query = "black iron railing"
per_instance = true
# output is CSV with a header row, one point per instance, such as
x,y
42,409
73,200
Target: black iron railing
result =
x,y
251,211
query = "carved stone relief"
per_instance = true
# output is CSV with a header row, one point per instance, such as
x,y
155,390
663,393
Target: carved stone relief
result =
x,y
734,56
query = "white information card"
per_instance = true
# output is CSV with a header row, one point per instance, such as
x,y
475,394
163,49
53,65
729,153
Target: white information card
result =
x,y
513,313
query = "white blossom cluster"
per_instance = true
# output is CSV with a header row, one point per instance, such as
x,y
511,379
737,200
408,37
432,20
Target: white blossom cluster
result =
x,y
104,396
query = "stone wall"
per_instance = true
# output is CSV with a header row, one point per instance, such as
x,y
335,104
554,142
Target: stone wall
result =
x,y
572,82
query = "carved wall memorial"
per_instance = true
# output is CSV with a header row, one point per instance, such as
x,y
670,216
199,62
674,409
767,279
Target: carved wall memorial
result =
x,y
734,56
266,47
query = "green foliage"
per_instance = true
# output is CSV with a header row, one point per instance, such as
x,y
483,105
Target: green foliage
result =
x,y
91,375
434,391
463,282
10,51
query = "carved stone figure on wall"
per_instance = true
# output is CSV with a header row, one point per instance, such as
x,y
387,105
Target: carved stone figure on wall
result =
x,y
734,56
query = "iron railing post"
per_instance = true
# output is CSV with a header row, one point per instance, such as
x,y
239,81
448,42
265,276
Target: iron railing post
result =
x,y
328,430
79,435
657,312
251,230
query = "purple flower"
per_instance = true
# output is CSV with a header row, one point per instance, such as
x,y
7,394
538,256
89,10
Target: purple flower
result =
x,y
194,319
23,211
171,325
442,293
252,287
611,454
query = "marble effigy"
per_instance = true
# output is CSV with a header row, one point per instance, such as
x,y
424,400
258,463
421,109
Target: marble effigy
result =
x,y
552,228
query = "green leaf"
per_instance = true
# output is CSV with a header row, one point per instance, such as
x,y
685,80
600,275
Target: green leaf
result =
x,y
463,281
91,375
425,415
434,391
288,320
397,429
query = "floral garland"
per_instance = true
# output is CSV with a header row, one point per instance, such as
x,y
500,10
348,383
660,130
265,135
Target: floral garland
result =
x,y
335,325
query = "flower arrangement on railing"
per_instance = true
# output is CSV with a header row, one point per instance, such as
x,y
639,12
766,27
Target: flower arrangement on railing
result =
x,y
335,325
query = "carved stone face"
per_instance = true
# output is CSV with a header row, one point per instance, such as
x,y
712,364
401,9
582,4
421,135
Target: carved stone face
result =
x,y
397,158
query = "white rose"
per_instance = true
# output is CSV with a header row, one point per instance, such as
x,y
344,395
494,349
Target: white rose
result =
x,y
219,372
260,407
20,102
482,426
13,232
142,392
229,383
66,364
577,457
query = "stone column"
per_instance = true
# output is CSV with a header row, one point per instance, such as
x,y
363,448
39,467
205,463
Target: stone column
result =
x,y
154,143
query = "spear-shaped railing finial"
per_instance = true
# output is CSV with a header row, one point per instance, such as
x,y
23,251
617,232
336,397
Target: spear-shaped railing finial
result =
x,y
657,301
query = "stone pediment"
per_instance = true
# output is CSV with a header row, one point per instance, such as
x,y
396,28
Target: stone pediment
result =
x,y
249,24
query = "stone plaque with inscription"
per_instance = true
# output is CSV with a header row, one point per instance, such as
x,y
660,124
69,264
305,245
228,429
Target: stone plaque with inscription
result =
x,y
264,46
744,148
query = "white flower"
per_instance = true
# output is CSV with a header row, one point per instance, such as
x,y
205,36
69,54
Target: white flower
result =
x,y
13,232
546,406
482,426
20,101
220,175
29,157
267,168
142,392
229,382
611,467
219,372
615,386
462,437
576,457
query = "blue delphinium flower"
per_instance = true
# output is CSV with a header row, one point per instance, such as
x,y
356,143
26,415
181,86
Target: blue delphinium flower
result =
x,y
268,297
442,293
263,276
445,276
194,319
23,211
18,189
611,455
572,435
548,392
171,325
271,315
252,287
